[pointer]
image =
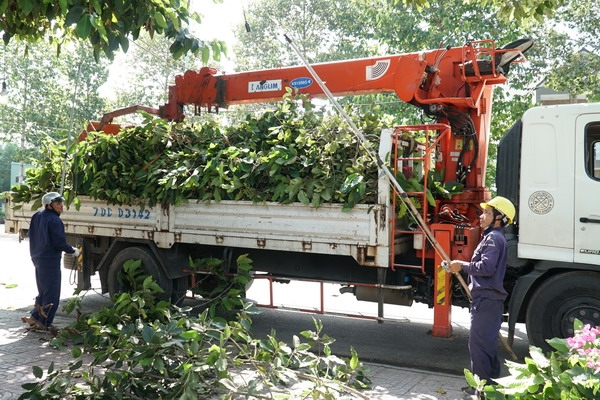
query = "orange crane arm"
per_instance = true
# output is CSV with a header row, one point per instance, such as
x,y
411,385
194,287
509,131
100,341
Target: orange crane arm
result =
x,y
453,76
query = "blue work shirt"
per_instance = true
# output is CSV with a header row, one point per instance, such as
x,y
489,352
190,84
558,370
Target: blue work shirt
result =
x,y
47,239
488,265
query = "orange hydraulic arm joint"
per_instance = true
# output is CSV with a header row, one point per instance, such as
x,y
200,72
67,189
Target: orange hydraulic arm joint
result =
x,y
105,125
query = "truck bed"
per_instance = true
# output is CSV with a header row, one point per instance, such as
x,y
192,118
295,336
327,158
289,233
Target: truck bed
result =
x,y
361,233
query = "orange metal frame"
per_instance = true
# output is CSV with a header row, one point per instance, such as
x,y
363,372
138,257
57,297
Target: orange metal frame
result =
x,y
435,135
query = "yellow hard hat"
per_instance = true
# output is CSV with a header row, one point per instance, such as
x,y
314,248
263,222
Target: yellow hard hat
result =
x,y
503,205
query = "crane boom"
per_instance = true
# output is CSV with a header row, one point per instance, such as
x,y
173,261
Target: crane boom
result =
x,y
453,76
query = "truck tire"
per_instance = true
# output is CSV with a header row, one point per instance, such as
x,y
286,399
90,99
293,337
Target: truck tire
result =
x,y
150,265
558,302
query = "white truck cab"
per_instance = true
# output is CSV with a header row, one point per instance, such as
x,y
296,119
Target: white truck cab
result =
x,y
549,164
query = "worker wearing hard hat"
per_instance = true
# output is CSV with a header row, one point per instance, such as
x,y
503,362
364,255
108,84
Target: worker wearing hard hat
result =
x,y
47,242
486,276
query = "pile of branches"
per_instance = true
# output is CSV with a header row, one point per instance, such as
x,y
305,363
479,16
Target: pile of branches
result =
x,y
140,347
294,153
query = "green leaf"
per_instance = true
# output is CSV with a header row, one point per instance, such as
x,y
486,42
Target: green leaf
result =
x,y
303,197
216,50
191,335
76,352
266,345
354,360
159,364
469,377
160,19
205,54
351,182
430,198
559,344
148,333
84,26
37,371
173,18
26,6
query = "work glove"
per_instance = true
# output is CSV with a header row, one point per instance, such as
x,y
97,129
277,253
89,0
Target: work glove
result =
x,y
76,252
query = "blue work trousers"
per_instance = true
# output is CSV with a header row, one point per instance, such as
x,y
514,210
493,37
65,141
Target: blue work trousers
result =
x,y
486,319
48,279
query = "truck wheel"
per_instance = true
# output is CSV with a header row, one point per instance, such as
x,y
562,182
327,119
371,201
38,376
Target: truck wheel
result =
x,y
558,302
150,266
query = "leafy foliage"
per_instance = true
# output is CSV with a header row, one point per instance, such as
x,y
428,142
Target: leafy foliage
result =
x,y
145,74
507,10
572,371
47,95
322,30
107,25
215,284
7,154
144,348
291,154
436,189
373,27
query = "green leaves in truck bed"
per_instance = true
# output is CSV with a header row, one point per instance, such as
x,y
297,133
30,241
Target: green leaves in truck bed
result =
x,y
290,154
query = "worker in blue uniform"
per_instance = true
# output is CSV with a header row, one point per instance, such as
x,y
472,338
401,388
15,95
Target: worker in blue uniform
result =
x,y
47,242
486,276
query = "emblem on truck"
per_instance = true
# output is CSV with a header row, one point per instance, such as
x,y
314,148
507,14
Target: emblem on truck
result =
x,y
588,251
541,202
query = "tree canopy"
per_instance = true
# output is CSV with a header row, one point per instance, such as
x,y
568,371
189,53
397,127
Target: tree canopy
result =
x,y
107,25
46,98
507,10
110,25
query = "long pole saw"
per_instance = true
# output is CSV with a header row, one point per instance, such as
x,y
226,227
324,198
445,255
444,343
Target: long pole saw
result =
x,y
403,196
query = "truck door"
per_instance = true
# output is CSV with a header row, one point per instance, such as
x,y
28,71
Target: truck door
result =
x,y
587,189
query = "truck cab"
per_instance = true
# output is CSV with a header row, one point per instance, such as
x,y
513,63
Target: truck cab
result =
x,y
549,164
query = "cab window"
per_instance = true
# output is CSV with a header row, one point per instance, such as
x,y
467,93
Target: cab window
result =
x,y
592,147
